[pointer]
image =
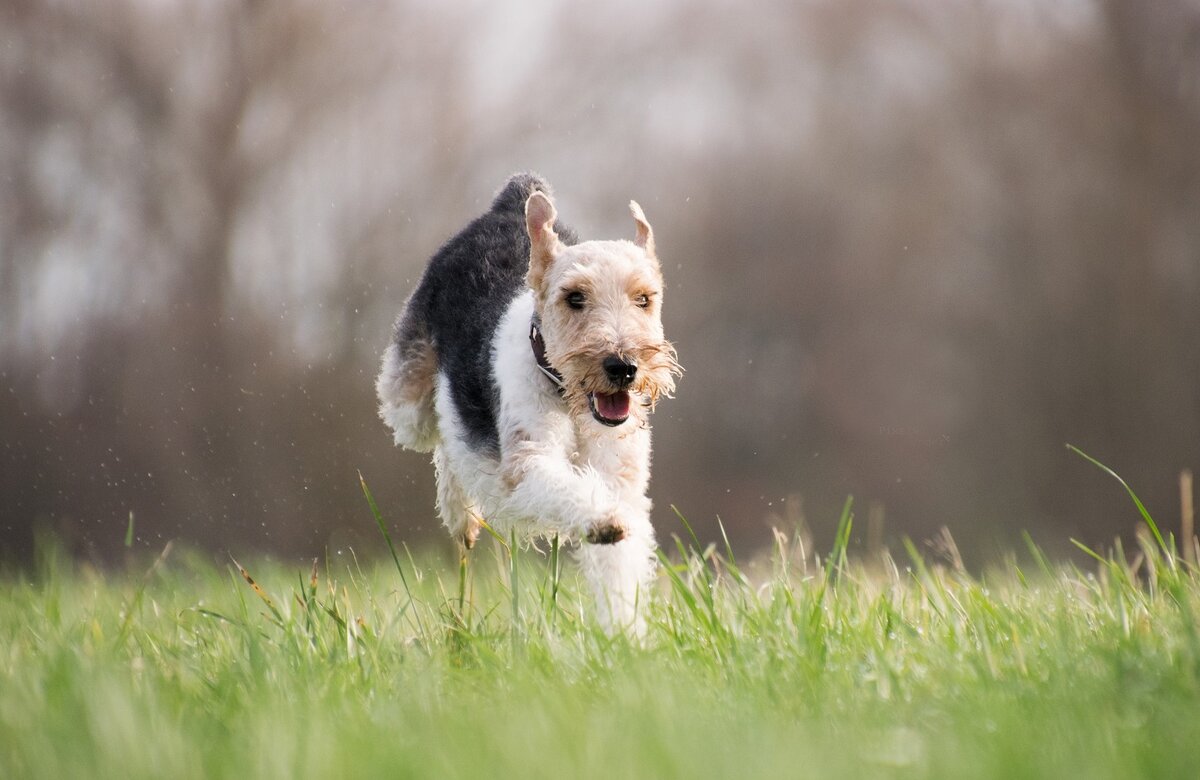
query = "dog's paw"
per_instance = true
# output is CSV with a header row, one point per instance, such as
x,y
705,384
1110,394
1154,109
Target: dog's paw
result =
x,y
607,533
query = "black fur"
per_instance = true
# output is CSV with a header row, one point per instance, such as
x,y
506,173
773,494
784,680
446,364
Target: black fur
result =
x,y
465,290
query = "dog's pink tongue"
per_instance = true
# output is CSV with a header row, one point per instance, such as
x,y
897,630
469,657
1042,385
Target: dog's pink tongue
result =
x,y
613,406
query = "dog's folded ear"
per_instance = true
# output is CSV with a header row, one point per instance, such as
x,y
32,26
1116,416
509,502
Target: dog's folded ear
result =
x,y
543,241
645,234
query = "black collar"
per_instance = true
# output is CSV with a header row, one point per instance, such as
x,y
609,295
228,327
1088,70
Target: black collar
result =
x,y
539,354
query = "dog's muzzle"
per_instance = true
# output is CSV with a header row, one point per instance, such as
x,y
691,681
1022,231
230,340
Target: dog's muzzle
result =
x,y
613,408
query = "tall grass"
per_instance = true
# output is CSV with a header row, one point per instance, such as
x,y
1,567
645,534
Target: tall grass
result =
x,y
790,665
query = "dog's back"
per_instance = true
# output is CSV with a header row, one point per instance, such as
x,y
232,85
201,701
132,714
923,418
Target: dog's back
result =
x,y
449,321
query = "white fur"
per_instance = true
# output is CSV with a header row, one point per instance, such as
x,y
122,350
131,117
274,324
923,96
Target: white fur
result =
x,y
571,483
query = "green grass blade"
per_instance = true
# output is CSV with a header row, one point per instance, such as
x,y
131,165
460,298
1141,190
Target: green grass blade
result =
x,y
688,526
1038,556
841,543
1137,501
387,537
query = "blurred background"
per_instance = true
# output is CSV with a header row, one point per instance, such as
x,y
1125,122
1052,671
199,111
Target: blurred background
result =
x,y
912,249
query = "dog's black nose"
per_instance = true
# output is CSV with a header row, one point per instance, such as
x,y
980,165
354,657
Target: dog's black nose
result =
x,y
620,371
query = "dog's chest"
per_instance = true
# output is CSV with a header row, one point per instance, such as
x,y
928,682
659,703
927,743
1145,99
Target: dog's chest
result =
x,y
621,458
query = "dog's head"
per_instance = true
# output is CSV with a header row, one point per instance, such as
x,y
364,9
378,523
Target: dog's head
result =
x,y
600,303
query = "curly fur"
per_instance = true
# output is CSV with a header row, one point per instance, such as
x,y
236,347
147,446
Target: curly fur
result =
x,y
460,380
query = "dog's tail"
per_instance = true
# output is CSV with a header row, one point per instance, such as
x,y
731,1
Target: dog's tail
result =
x,y
518,188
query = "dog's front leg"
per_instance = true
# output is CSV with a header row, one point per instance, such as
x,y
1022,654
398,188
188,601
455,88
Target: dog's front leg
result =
x,y
574,501
619,575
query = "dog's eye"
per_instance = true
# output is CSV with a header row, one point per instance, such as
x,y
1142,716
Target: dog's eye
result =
x,y
642,301
575,299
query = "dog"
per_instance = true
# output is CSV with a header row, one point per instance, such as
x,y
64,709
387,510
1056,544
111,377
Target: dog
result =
x,y
528,362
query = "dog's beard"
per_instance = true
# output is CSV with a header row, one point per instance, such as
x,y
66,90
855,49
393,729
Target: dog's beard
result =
x,y
590,393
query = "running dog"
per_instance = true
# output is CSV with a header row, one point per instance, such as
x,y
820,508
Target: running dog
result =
x,y
528,362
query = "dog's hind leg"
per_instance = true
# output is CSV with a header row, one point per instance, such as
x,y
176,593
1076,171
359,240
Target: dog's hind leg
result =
x,y
405,386
459,514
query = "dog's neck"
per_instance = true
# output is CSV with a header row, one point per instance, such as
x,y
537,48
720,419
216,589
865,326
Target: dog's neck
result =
x,y
539,354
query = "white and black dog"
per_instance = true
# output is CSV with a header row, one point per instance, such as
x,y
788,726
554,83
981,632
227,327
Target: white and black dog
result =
x,y
528,362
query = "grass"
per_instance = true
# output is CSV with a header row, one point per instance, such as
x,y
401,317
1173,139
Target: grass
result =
x,y
795,666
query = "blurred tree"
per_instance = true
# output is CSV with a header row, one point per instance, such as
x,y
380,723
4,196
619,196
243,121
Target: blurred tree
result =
x,y
911,251
138,138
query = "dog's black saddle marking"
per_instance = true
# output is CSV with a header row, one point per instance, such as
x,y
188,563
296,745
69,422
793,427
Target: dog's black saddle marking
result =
x,y
463,294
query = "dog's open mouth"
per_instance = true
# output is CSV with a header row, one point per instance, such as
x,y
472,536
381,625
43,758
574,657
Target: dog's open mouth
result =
x,y
610,408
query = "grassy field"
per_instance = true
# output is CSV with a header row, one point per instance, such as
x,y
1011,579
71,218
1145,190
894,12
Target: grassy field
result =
x,y
793,666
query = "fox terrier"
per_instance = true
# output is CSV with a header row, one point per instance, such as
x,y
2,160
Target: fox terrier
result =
x,y
528,363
